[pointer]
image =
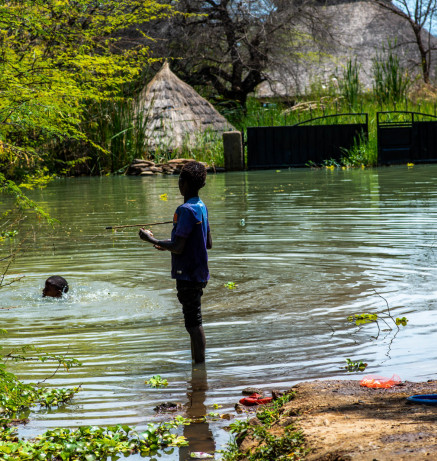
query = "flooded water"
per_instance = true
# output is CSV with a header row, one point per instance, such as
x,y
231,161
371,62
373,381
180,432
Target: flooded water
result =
x,y
305,248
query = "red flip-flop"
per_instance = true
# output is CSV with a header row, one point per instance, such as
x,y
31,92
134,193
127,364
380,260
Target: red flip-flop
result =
x,y
255,399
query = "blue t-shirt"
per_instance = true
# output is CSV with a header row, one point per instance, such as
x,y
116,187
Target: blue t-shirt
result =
x,y
191,222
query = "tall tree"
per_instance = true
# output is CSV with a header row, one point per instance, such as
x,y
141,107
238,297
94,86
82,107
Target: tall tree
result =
x,y
419,15
230,44
56,57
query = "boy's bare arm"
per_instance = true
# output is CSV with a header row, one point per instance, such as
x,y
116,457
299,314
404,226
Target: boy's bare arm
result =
x,y
208,241
175,246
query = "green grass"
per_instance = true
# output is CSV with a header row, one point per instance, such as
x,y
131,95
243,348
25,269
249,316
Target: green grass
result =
x,y
391,81
119,129
116,128
364,152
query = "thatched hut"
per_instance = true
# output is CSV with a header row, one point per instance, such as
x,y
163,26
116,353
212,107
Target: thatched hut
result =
x,y
176,115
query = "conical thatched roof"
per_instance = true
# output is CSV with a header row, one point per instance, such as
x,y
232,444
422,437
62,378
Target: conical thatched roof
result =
x,y
176,115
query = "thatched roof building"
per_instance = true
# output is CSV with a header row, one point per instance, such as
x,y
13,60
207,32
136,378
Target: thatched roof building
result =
x,y
360,29
176,115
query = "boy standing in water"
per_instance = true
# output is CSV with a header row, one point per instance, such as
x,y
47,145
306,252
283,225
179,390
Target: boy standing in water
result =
x,y
190,239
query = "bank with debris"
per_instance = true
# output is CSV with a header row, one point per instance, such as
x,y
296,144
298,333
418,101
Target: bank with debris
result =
x,y
340,420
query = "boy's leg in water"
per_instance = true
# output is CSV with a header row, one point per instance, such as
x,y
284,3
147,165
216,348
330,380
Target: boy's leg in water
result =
x,y
189,295
198,344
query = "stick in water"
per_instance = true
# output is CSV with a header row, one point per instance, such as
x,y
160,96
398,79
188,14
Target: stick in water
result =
x,y
140,225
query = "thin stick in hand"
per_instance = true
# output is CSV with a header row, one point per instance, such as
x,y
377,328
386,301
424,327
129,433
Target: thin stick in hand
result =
x,y
139,225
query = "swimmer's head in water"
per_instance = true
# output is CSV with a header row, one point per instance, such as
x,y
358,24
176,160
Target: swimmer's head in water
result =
x,y
55,287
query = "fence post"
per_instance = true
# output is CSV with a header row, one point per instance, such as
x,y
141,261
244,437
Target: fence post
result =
x,y
233,151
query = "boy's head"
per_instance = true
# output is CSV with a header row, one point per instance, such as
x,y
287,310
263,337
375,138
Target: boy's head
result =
x,y
55,287
192,176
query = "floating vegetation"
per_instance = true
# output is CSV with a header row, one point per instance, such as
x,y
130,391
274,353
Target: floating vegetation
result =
x,y
157,382
352,366
230,285
85,443
90,443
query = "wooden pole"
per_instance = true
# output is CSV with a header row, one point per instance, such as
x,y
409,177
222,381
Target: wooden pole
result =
x,y
139,225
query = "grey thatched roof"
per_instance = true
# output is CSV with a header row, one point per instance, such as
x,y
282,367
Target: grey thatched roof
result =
x,y
176,114
360,29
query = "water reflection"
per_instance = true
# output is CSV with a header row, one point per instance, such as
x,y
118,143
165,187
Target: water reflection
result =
x,y
315,247
198,434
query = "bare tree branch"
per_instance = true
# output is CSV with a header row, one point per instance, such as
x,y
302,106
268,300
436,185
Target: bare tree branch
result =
x,y
233,45
417,14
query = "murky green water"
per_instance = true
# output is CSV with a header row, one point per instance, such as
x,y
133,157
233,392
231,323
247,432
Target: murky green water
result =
x,y
316,247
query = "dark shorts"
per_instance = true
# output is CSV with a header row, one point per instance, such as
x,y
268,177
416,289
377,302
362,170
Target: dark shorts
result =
x,y
189,295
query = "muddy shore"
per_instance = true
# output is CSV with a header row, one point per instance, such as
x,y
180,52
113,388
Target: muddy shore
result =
x,y
341,420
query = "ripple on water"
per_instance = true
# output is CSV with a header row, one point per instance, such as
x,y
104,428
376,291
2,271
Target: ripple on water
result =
x,y
314,249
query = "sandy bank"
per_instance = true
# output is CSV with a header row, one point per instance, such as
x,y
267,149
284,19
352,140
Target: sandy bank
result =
x,y
343,421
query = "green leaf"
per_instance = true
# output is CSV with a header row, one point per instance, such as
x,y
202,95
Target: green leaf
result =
x,y
401,321
156,381
362,319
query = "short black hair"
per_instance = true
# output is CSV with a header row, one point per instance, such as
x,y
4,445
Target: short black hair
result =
x,y
58,282
194,173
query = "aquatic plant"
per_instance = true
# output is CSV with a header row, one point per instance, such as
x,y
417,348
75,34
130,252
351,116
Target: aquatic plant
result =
x,y
156,381
90,443
17,396
367,318
352,366
85,443
330,163
364,318
361,319
230,285
401,321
